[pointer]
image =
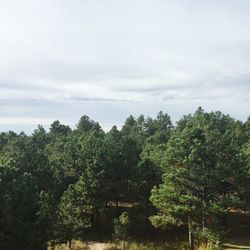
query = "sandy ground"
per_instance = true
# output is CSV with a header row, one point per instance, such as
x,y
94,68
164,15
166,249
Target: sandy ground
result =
x,y
97,245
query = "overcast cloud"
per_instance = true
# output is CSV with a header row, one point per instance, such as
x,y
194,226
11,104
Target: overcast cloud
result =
x,y
61,59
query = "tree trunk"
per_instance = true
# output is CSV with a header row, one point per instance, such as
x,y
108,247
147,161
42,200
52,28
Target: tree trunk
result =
x,y
225,218
146,206
190,234
97,219
225,221
53,244
203,211
203,220
70,242
117,206
92,218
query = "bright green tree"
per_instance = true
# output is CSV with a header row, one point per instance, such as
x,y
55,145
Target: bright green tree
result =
x,y
199,181
121,226
75,210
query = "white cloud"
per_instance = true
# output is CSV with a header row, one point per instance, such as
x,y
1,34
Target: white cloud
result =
x,y
61,59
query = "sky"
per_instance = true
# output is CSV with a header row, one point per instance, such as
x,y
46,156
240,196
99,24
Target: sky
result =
x,y
62,59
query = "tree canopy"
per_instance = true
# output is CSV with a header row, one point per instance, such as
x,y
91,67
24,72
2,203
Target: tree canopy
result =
x,y
62,184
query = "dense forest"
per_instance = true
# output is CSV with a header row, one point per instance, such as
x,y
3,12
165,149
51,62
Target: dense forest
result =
x,y
149,179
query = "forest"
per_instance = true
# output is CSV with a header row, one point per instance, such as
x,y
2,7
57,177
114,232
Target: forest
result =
x,y
151,180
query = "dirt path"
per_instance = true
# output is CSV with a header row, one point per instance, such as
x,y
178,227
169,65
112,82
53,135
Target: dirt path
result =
x,y
97,245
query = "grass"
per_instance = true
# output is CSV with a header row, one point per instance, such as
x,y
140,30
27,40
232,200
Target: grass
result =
x,y
76,245
238,237
149,246
233,246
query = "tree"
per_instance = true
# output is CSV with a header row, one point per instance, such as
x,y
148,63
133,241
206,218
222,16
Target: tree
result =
x,y
75,156
114,165
244,177
176,198
37,159
75,210
131,148
56,186
121,226
149,172
86,125
21,226
199,181
158,130
63,154
22,167
57,129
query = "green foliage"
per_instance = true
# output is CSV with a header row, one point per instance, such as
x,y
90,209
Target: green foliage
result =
x,y
59,185
86,125
212,239
57,129
201,165
75,210
121,226
21,227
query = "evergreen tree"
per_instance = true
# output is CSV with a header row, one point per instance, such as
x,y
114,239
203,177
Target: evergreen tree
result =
x,y
121,226
199,181
75,210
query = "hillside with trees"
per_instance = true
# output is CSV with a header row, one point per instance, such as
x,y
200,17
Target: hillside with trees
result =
x,y
151,180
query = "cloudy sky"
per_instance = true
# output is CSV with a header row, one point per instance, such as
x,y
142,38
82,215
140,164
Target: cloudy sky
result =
x,y
60,59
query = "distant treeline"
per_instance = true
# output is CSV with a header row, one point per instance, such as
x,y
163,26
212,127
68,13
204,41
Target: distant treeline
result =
x,y
56,186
